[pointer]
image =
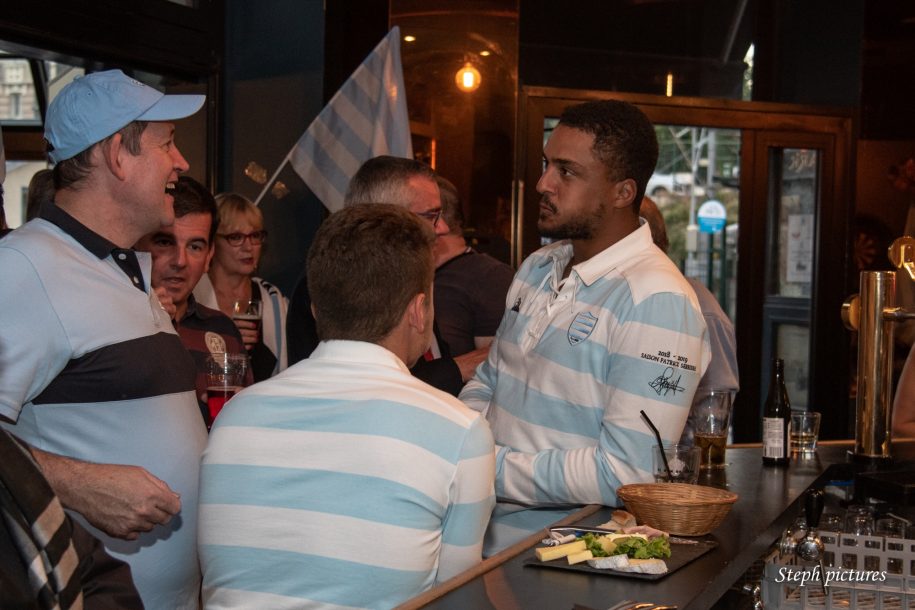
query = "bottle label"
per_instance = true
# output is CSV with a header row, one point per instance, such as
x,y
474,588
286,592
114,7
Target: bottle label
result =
x,y
774,438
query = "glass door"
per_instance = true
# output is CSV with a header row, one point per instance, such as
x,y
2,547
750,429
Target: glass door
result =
x,y
802,288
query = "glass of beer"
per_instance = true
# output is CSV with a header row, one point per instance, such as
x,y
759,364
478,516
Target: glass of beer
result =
x,y
250,314
712,416
225,377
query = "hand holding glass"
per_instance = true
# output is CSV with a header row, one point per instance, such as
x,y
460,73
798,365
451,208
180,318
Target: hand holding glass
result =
x,y
247,316
712,416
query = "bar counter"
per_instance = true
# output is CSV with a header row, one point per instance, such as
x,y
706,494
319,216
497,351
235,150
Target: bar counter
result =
x,y
769,499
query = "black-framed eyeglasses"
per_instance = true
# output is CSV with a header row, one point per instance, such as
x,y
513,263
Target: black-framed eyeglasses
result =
x,y
236,239
431,216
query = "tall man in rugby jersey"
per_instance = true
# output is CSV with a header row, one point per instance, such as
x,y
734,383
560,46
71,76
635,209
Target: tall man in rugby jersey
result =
x,y
598,326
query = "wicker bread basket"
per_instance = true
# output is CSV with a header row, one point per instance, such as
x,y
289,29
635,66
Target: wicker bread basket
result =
x,y
677,508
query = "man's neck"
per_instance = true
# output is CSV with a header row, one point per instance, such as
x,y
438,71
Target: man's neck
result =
x,y
231,284
448,247
180,310
608,235
397,344
100,214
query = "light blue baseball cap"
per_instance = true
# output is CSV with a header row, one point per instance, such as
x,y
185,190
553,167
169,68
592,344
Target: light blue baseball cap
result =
x,y
97,105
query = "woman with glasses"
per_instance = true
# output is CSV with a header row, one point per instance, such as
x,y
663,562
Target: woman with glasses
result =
x,y
238,244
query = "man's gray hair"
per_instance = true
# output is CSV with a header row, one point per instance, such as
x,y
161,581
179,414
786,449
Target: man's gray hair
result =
x,y
383,180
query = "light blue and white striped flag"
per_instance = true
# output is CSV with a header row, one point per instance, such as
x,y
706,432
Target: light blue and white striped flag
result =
x,y
367,117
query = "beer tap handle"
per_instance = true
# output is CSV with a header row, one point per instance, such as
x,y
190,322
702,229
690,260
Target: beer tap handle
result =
x,y
813,508
902,254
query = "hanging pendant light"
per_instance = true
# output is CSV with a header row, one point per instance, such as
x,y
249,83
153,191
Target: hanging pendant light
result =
x,y
467,78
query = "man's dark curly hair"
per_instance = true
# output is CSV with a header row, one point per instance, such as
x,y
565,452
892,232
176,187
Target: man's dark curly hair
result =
x,y
624,139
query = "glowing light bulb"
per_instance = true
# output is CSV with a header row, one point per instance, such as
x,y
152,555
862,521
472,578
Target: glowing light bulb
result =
x,y
409,38
467,78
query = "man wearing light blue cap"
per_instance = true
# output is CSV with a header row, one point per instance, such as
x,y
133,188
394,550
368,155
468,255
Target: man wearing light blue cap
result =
x,y
92,373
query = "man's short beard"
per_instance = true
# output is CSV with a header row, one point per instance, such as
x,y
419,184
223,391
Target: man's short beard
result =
x,y
580,227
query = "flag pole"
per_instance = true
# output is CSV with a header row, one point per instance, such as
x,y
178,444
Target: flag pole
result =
x,y
274,176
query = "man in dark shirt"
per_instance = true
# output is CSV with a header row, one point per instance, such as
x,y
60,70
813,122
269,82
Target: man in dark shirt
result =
x,y
181,254
470,287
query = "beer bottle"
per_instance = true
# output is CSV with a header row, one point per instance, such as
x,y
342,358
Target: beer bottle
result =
x,y
777,419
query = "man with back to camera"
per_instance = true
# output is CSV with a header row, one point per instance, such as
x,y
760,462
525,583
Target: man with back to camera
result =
x,y
92,373
721,373
599,326
357,484
410,184
181,254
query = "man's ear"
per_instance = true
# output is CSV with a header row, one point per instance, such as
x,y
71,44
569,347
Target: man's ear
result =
x,y
112,152
417,311
624,193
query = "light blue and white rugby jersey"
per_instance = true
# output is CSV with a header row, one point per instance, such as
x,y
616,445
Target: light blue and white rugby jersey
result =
x,y
342,482
572,364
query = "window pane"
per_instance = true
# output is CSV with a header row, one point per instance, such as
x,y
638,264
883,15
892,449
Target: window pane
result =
x,y
698,166
797,191
18,102
16,185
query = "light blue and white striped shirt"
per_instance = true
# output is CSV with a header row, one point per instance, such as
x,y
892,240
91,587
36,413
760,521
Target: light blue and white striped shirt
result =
x,y
343,482
572,364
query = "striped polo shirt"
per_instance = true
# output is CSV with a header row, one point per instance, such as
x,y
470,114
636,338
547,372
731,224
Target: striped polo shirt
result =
x,y
572,364
342,482
91,368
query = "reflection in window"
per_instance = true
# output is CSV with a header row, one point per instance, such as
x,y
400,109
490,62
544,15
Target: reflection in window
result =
x,y
792,344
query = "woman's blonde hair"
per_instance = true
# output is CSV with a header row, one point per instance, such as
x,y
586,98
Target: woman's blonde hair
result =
x,y
233,207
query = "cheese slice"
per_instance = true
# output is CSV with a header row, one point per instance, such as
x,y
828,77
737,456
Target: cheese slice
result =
x,y
579,557
613,562
549,553
647,566
613,537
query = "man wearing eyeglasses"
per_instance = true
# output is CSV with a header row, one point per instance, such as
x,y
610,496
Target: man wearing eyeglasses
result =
x,y
412,185
181,254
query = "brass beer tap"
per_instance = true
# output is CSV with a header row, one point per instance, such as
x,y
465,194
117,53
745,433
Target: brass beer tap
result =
x,y
873,313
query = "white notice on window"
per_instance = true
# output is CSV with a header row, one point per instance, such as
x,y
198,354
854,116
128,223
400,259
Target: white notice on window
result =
x,y
800,248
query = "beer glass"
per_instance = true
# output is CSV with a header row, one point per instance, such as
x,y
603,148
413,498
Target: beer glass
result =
x,y
225,377
712,417
250,313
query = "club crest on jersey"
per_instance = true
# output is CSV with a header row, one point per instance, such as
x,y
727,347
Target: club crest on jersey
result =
x,y
215,343
581,327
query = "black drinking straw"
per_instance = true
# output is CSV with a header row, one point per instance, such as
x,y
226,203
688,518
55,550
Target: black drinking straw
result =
x,y
657,435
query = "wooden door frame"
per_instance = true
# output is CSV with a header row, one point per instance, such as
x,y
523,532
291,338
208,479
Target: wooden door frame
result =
x,y
754,119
